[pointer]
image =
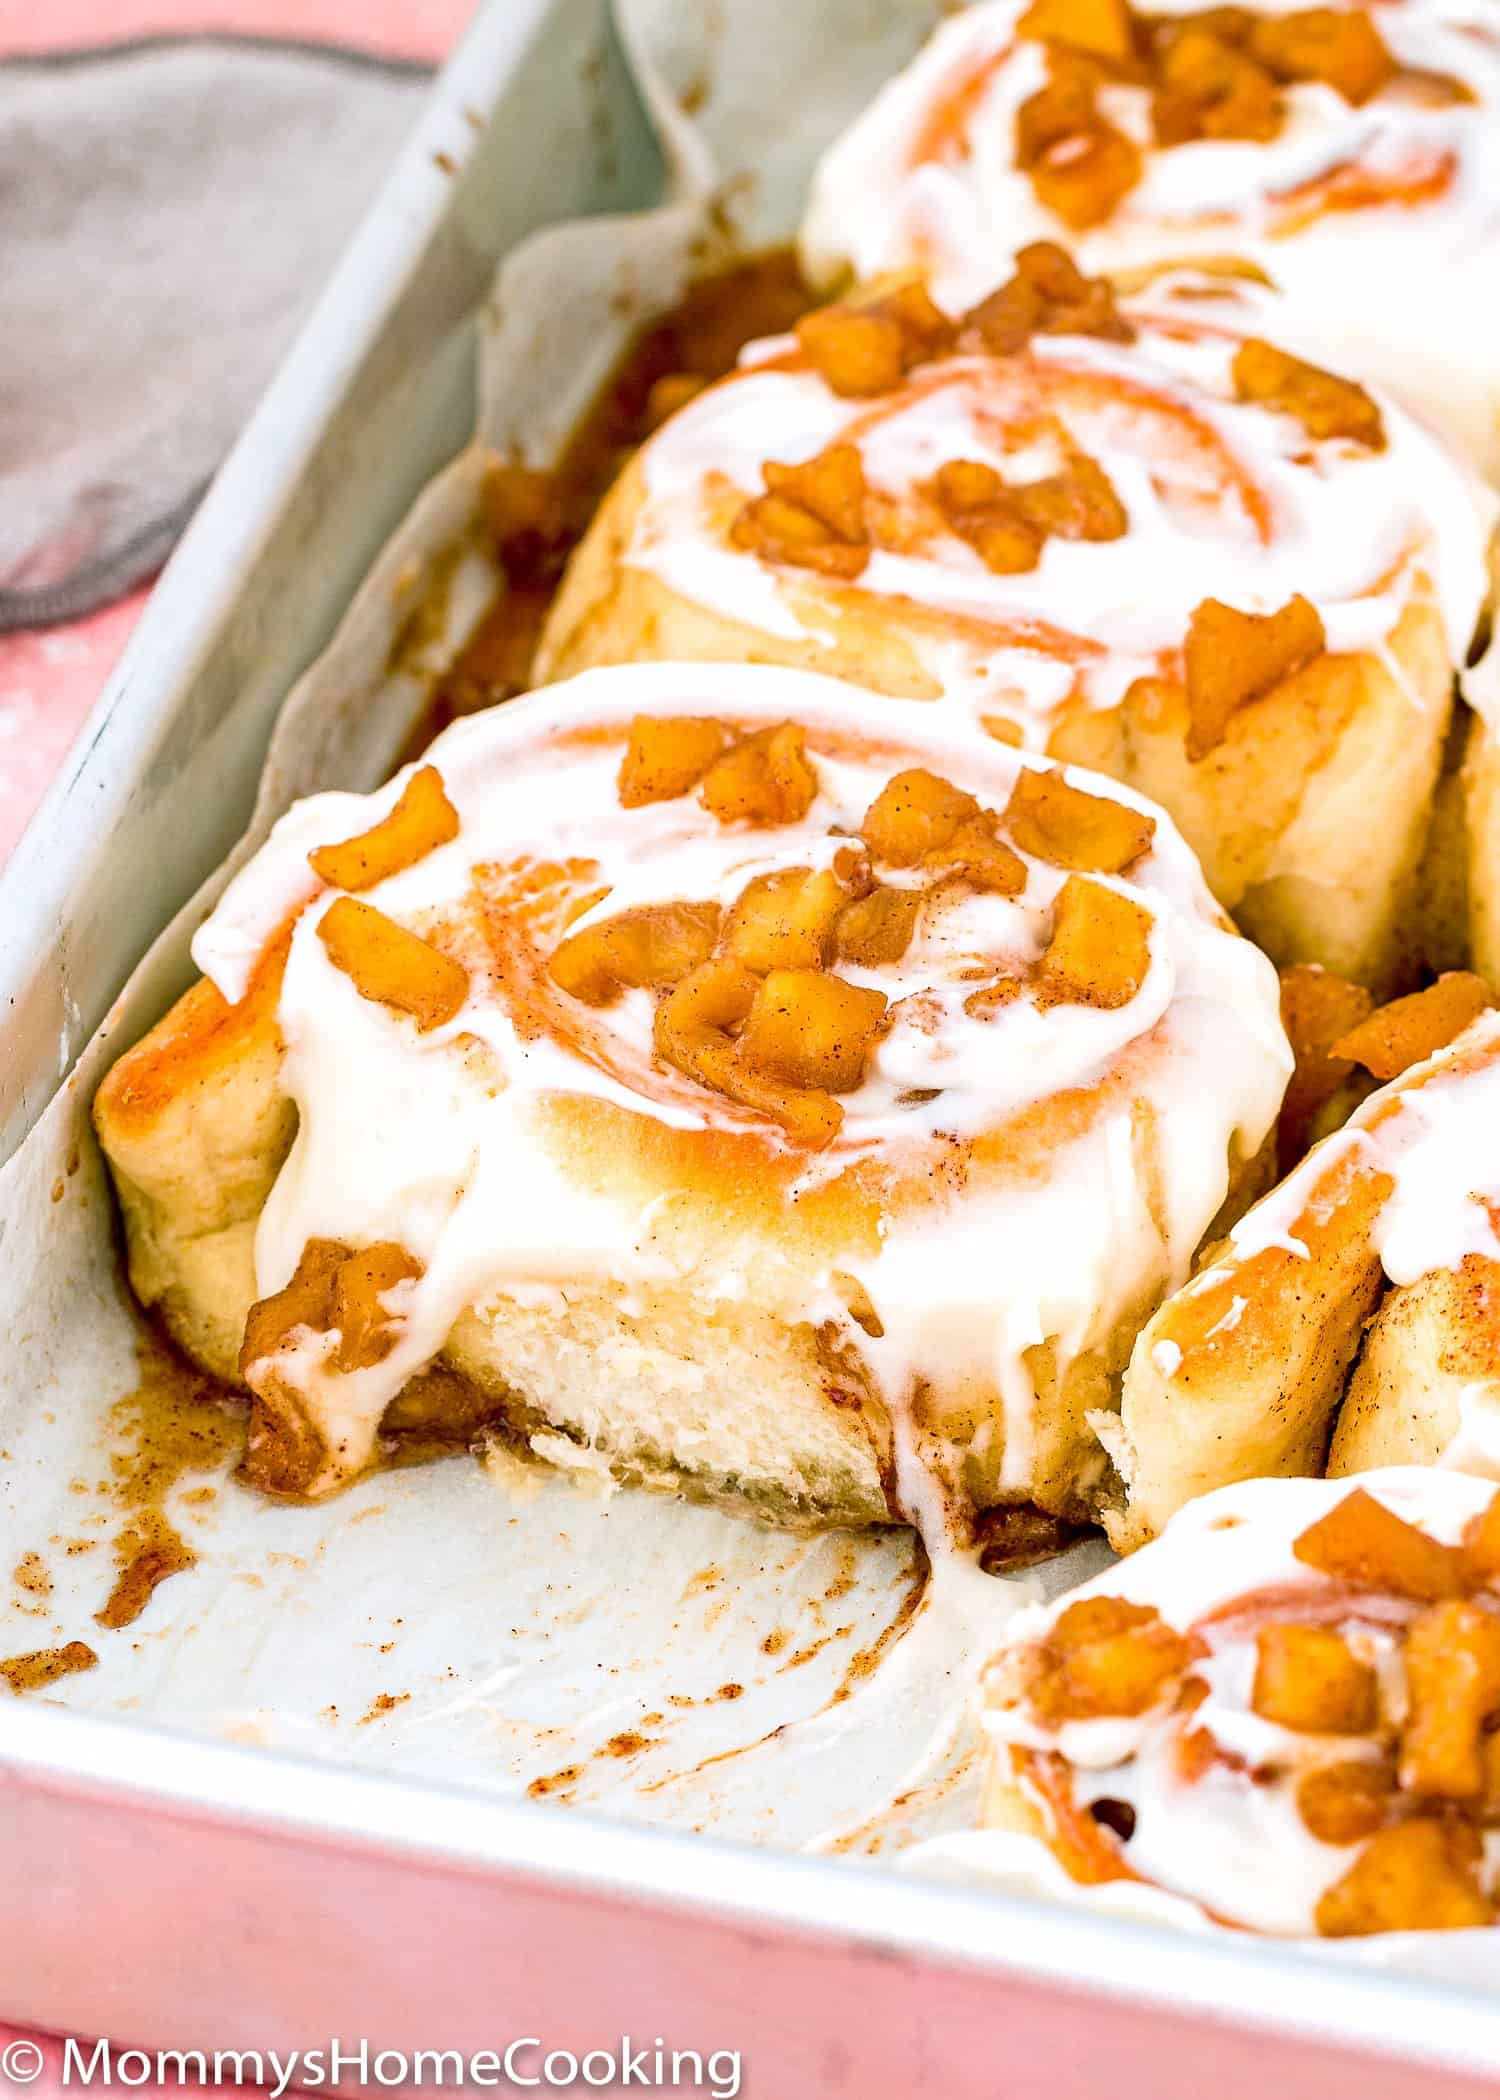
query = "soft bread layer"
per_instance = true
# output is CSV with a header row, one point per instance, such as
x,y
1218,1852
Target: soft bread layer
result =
x,y
657,1278
1247,1370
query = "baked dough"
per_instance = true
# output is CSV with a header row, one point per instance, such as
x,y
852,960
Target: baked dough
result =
x,y
899,1296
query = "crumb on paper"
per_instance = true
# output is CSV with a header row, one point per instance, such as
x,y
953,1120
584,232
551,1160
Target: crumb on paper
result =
x,y
30,1574
555,1782
382,1704
148,1552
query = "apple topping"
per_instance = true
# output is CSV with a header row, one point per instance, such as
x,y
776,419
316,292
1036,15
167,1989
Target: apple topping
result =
x,y
666,756
863,350
1361,1541
1339,47
1234,658
1079,163
877,928
421,821
1048,295
812,1029
653,946
1407,1030
1070,828
1325,405
764,778
811,516
334,1289
1100,950
1453,1693
390,965
1417,1876
1105,1658
1309,1679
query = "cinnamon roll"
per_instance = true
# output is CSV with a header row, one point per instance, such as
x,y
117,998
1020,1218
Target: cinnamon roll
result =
x,y
1137,541
1354,1312
1279,1717
717,1077
1344,158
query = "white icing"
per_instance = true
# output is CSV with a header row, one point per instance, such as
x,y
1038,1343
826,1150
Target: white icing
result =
x,y
1405,292
1421,1131
1223,498
1234,1846
435,1140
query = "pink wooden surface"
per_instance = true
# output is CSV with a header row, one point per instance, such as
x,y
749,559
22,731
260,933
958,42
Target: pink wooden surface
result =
x,y
48,682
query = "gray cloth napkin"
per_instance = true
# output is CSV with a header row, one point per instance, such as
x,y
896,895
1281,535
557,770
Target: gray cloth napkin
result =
x,y
168,212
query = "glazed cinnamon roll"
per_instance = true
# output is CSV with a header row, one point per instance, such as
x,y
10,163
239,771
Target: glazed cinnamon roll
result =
x,y
1345,158
1280,1716
719,1079
1136,541
1355,1310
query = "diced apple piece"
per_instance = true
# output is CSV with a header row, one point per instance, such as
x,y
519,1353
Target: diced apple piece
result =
x,y
812,514
1207,89
1233,658
421,821
1361,1541
1453,1683
305,1301
367,1330
692,1033
915,813
1100,950
1049,294
1481,1545
391,966
1084,176
809,1028
1116,1661
1309,1679
785,921
1325,405
1317,1007
1339,46
831,486
1069,828
975,853
1417,1876
990,999
1078,504
878,928
666,756
855,353
766,778
1405,1031
1101,27
1342,1803
653,945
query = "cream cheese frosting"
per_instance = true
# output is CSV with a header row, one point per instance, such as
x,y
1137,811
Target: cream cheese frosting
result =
x,y
1223,499
1230,1844
439,1141
1379,224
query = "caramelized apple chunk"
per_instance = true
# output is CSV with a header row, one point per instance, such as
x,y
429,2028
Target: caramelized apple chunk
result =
x,y
812,1029
391,966
1233,658
1103,28
1069,828
978,856
1453,1690
914,813
878,928
1416,1876
811,516
1342,1803
1309,1679
1407,1030
980,509
1325,405
785,921
693,1033
1339,46
367,1329
1083,176
1361,1541
766,778
1100,950
1481,1544
1049,294
304,1301
1077,504
421,821
666,755
651,946
1105,1658
1206,88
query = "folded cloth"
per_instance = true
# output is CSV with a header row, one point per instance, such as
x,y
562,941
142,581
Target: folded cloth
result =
x,y
168,209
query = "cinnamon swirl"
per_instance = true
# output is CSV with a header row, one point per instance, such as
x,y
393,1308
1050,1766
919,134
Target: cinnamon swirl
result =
x,y
723,1079
1137,541
1346,158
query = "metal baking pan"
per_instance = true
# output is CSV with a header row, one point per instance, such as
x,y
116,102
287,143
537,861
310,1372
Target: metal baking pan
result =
x,y
177,1893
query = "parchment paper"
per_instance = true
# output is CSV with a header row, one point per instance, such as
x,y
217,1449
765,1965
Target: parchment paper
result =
x,y
506,1627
